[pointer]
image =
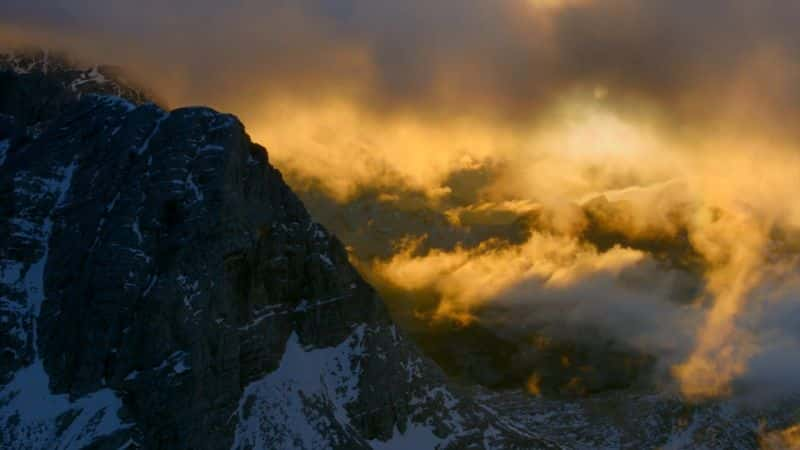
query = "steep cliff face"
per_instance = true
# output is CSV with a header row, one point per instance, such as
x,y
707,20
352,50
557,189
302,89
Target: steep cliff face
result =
x,y
163,288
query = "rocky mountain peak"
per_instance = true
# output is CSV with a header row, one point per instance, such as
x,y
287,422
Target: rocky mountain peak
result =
x,y
162,287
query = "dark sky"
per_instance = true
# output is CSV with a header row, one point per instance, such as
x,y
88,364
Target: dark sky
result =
x,y
504,58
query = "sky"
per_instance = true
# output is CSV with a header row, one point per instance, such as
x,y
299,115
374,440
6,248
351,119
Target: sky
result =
x,y
647,150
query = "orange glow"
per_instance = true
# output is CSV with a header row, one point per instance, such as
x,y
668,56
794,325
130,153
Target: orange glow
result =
x,y
786,439
727,202
534,385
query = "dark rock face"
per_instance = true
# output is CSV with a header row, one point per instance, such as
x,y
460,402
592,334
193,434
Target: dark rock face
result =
x,y
163,288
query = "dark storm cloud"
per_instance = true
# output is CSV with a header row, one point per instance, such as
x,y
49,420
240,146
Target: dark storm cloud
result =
x,y
501,58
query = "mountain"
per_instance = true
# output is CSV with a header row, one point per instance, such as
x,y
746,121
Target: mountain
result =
x,y
163,288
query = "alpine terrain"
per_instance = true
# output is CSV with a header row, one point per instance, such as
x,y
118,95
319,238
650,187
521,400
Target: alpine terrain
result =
x,y
162,288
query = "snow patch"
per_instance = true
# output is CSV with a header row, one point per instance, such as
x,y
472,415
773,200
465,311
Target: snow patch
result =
x,y
10,271
210,148
198,194
326,260
32,417
146,144
114,100
34,277
132,376
305,305
415,437
136,230
177,361
180,366
413,368
273,410
153,280
4,144
110,206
